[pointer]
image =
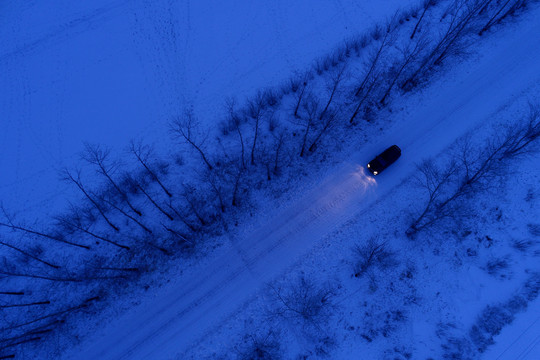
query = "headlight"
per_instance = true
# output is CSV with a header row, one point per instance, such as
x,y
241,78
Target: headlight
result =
x,y
368,166
375,173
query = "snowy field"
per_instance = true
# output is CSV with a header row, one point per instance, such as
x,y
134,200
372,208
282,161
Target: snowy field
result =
x,y
106,72
300,221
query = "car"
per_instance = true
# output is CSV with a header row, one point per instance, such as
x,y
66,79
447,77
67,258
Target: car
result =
x,y
384,160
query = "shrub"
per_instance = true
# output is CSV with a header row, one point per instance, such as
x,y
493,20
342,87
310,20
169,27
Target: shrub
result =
x,y
305,301
260,347
374,253
489,324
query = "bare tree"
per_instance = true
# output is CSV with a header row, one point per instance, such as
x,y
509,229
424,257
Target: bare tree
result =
x,y
41,277
371,84
435,180
266,157
141,154
11,225
478,167
486,6
426,5
238,174
75,222
299,96
335,81
46,302
267,160
183,218
409,54
493,19
311,110
279,138
461,19
27,254
260,346
515,141
194,203
236,120
460,14
370,254
99,157
373,63
113,205
255,110
143,190
77,181
178,235
520,139
31,334
517,4
324,125
304,300
187,128
217,185
374,60
500,11
55,314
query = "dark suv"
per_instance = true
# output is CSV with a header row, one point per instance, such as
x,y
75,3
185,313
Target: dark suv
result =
x,y
384,160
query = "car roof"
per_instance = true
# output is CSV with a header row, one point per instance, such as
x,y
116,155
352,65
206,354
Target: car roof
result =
x,y
392,152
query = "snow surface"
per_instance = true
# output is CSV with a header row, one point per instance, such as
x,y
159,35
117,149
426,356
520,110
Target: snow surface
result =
x,y
175,317
109,71
521,339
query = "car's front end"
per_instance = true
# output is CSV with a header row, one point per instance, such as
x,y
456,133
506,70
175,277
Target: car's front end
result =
x,y
374,167
383,160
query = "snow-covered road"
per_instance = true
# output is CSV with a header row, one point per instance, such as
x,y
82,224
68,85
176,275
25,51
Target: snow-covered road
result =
x,y
178,315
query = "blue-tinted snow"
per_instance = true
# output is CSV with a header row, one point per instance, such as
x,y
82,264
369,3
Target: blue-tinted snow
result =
x,y
109,71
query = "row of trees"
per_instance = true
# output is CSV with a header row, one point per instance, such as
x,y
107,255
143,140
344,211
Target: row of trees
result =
x,y
472,167
115,234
